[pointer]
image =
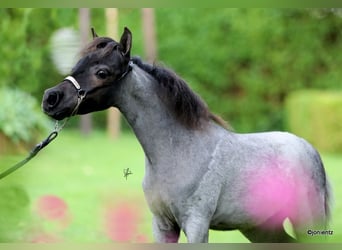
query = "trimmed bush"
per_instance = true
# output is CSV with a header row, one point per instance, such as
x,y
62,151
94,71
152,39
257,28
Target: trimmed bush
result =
x,y
21,120
317,117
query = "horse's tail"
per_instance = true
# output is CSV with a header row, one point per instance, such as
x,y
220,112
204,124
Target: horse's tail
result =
x,y
327,201
328,195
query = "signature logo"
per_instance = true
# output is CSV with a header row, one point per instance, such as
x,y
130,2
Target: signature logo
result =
x,y
127,172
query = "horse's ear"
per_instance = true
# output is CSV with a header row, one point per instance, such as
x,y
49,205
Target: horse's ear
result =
x,y
94,33
126,42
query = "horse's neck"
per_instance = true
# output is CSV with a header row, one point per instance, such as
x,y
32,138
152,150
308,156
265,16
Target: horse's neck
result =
x,y
153,124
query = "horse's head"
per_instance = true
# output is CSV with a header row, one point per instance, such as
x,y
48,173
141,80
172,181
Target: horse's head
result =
x,y
103,64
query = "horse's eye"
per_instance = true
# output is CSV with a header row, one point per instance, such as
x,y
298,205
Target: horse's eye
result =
x,y
101,45
102,74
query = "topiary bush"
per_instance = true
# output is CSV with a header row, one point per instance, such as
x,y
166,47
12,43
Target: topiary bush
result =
x,y
21,120
316,116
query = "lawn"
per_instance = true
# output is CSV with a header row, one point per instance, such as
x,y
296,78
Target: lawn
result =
x,y
75,191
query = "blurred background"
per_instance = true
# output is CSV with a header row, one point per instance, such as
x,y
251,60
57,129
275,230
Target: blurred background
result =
x,y
260,69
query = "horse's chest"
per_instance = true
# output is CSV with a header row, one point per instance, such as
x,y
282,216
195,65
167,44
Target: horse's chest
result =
x,y
160,198
155,194
159,204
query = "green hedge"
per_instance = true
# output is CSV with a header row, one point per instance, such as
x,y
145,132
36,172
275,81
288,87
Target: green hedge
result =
x,y
316,116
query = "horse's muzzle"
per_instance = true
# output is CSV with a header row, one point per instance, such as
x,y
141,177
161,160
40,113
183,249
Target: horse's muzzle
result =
x,y
51,104
53,98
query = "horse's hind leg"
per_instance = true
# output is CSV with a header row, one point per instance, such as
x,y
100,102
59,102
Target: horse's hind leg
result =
x,y
270,231
312,215
309,221
164,231
263,235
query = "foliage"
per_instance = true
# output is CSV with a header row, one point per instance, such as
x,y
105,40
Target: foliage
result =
x,y
25,50
25,60
243,62
314,116
21,119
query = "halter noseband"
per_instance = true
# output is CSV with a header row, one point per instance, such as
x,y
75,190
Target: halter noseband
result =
x,y
80,92
73,81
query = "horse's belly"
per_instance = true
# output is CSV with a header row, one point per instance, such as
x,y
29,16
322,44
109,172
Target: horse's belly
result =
x,y
226,222
223,227
229,216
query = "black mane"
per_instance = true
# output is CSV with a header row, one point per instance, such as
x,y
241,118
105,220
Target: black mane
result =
x,y
186,105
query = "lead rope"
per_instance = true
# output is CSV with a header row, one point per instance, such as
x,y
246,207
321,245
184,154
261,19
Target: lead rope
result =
x,y
58,127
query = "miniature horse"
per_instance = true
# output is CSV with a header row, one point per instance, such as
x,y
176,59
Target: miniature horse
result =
x,y
198,174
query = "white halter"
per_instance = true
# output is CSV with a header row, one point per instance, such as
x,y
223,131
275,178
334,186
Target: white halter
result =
x,y
73,81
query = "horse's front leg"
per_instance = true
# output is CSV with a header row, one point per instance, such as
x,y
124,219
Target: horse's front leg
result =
x,y
164,231
196,229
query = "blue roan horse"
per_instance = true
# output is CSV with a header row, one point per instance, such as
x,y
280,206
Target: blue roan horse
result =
x,y
198,175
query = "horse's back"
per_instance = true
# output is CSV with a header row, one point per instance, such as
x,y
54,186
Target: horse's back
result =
x,y
278,149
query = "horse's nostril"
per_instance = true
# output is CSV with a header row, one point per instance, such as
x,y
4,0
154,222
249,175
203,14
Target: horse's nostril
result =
x,y
53,99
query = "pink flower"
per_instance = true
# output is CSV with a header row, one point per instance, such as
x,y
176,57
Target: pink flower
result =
x,y
121,222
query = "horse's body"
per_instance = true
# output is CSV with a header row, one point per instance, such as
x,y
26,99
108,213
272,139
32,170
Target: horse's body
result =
x,y
199,175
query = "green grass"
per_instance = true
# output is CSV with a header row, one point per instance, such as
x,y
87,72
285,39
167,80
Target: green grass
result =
x,y
87,173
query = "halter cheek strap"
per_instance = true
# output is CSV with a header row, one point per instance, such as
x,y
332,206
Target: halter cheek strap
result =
x,y
81,93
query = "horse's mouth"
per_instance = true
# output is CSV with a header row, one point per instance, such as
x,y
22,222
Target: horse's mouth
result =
x,y
59,115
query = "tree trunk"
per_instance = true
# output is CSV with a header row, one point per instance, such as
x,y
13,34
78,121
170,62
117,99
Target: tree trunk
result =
x,y
86,123
113,116
148,25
